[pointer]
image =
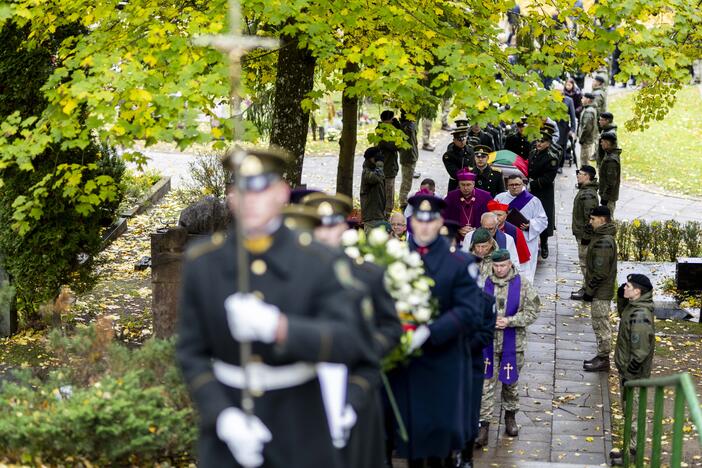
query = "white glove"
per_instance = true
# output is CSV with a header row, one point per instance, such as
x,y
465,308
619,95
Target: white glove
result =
x,y
348,420
244,435
251,319
419,337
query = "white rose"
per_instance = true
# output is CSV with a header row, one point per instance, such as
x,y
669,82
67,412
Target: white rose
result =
x,y
422,314
353,252
413,259
401,306
369,257
421,285
395,248
349,237
405,289
414,299
397,271
378,236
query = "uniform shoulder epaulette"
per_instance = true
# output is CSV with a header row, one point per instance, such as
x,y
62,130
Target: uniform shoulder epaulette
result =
x,y
497,169
216,241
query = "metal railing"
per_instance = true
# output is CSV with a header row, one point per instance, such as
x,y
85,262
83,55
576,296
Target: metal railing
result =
x,y
684,392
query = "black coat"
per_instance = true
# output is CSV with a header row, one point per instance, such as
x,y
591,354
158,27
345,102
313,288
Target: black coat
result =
x,y
490,180
309,284
366,446
479,340
481,138
543,167
454,159
518,144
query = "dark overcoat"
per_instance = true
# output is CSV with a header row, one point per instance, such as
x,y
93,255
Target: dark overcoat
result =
x,y
543,167
306,281
430,390
482,337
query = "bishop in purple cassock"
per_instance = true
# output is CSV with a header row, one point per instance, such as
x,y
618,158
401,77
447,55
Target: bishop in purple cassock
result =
x,y
466,204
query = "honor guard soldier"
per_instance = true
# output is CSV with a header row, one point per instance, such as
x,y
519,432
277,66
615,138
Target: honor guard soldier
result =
x,y
517,307
366,446
543,168
430,390
487,177
458,155
297,311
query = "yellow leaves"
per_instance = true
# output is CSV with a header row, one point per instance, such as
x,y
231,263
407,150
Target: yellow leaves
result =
x,y
217,132
482,104
368,74
589,439
430,34
87,61
153,429
150,60
68,105
138,94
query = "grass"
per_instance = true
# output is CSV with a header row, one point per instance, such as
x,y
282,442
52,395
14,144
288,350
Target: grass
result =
x,y
668,154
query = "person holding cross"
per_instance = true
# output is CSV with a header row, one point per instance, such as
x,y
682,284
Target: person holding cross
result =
x,y
517,307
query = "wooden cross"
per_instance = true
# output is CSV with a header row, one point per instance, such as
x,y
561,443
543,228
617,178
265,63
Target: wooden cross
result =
x,y
508,368
235,45
487,364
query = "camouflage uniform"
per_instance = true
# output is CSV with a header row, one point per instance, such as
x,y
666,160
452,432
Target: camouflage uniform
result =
x,y
600,275
529,304
408,160
610,178
600,100
633,354
585,200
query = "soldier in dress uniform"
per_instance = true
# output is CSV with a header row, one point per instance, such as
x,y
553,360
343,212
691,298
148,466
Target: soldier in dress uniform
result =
x,y
431,389
458,155
366,446
488,178
543,168
517,307
291,321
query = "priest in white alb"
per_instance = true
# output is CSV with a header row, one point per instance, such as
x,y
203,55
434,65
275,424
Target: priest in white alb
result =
x,y
518,198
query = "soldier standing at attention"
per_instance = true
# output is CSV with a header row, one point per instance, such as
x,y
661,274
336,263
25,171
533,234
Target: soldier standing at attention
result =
x,y
517,307
600,275
588,132
599,89
487,177
373,189
585,201
610,171
543,167
458,154
633,354
291,321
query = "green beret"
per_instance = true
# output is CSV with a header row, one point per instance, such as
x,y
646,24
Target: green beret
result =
x,y
500,255
480,236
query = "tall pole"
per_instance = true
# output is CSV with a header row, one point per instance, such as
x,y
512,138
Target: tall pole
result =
x,y
235,45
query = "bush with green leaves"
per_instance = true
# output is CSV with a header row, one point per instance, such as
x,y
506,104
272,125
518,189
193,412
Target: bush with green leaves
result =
x,y
105,404
658,241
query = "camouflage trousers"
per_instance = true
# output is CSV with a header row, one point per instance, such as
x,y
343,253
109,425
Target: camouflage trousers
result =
x,y
635,405
611,205
582,257
602,326
406,185
587,153
426,131
509,393
389,195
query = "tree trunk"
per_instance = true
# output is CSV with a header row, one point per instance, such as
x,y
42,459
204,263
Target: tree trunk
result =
x,y
349,134
295,79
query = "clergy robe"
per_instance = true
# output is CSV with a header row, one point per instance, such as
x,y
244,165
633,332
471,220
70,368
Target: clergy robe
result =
x,y
533,210
466,211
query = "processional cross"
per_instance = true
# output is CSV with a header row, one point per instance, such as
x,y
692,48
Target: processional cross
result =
x,y
235,45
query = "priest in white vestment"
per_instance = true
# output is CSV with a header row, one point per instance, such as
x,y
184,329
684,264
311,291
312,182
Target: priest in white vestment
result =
x,y
517,197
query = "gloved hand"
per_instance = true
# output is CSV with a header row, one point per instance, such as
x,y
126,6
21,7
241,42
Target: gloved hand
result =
x,y
419,337
585,242
587,297
251,319
244,435
348,420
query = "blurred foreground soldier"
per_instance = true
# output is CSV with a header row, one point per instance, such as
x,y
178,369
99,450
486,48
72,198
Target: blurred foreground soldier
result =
x,y
373,189
366,446
610,171
292,321
585,201
488,178
633,354
517,307
600,275
543,167
458,154
430,389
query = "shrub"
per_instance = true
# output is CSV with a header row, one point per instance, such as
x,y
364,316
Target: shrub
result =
x,y
691,238
208,173
105,405
660,241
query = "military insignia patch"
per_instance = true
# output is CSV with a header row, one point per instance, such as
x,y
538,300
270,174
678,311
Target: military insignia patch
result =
x,y
554,162
635,340
343,273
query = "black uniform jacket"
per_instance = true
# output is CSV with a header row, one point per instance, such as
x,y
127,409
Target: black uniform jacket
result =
x,y
309,283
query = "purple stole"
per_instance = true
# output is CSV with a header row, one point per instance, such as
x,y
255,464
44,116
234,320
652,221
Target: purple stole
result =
x,y
508,373
501,239
521,200
510,229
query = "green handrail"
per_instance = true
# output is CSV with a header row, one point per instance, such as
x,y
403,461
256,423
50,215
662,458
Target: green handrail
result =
x,y
684,392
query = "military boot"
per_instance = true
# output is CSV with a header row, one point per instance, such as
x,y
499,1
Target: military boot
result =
x,y
511,428
599,364
588,361
482,439
578,295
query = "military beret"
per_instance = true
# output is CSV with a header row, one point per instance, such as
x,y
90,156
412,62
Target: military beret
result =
x,y
332,209
387,115
640,282
255,169
500,255
601,211
300,217
600,78
480,236
589,95
609,136
589,170
607,115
